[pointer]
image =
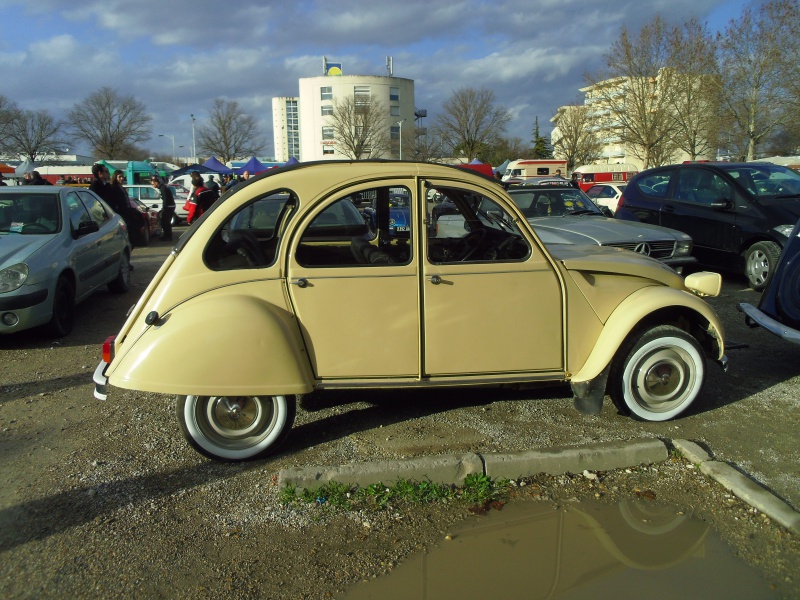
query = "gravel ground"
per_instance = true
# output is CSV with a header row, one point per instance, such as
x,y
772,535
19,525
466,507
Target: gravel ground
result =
x,y
107,500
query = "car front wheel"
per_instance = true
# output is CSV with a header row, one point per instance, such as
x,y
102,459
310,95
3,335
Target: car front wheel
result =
x,y
63,318
235,428
760,262
657,375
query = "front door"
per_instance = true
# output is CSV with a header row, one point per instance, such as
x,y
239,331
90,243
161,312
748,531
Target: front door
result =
x,y
492,303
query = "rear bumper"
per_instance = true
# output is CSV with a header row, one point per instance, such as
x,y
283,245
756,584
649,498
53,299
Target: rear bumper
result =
x,y
100,381
754,317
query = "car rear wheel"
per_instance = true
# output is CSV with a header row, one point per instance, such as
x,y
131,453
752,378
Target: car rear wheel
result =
x,y
657,375
63,318
235,428
760,262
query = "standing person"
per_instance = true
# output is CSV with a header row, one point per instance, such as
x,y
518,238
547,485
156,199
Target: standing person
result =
x,y
167,208
119,200
574,180
211,184
198,187
37,179
100,183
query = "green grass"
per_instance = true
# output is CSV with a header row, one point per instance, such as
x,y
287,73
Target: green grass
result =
x,y
477,489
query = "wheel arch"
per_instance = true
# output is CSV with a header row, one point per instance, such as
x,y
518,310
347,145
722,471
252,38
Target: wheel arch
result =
x,y
178,355
648,308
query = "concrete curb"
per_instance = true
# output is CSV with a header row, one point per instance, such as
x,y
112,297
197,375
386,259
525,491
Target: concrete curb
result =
x,y
741,486
454,468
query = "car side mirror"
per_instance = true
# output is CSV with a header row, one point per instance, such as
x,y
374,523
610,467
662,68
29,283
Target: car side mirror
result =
x,y
606,211
85,228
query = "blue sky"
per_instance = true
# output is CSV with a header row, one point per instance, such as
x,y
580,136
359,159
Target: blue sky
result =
x,y
177,57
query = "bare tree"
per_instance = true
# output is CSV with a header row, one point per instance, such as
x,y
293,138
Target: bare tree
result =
x,y
35,134
635,91
8,112
360,127
229,133
505,148
574,139
110,122
471,121
755,88
695,100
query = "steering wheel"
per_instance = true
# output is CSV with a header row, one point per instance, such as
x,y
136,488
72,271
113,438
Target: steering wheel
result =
x,y
469,244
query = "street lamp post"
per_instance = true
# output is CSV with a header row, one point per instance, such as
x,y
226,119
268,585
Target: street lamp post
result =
x,y
169,135
400,124
194,147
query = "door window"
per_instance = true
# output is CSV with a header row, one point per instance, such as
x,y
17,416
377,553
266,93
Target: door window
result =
x,y
469,227
95,208
700,186
655,184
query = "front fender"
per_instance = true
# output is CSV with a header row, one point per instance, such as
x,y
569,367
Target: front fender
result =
x,y
633,310
217,344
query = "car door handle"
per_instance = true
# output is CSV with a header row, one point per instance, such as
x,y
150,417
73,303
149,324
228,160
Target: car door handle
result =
x,y
302,282
435,279
668,208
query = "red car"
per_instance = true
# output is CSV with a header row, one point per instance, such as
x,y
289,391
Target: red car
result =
x,y
151,217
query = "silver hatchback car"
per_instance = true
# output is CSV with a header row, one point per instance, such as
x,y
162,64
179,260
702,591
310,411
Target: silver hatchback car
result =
x,y
57,246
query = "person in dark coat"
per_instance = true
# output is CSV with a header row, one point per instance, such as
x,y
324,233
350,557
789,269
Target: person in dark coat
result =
x,y
37,179
100,184
119,200
167,208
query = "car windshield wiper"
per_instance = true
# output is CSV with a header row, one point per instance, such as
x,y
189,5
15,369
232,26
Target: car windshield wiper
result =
x,y
786,196
585,211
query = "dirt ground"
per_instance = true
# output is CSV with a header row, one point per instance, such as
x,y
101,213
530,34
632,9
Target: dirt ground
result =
x,y
105,499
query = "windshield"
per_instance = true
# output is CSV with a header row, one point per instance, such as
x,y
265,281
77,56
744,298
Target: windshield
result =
x,y
30,214
553,202
767,181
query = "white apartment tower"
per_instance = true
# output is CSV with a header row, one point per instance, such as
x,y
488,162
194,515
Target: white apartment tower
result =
x,y
286,128
314,107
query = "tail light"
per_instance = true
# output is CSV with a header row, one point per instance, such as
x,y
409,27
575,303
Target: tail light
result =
x,y
621,200
108,349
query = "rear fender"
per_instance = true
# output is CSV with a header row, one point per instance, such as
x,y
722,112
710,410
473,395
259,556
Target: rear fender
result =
x,y
662,305
218,344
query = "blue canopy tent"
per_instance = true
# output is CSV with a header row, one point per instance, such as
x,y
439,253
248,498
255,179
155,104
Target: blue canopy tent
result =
x,y
291,161
188,169
252,166
213,164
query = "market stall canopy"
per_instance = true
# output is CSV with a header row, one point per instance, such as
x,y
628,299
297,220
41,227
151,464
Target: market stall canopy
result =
x,y
480,167
215,165
252,166
4,168
189,168
291,161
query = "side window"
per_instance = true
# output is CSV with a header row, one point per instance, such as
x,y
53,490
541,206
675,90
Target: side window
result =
x,y
370,227
655,184
469,227
700,186
250,238
95,208
78,215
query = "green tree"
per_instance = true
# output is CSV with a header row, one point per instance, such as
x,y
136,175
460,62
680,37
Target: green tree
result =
x,y
541,145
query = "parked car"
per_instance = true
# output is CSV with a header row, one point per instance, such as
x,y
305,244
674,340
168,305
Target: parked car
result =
x,y
285,290
778,310
399,217
606,194
738,214
562,214
58,245
152,198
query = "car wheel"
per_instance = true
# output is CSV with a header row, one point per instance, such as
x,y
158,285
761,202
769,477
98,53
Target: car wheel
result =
x,y
760,262
146,235
122,282
63,318
788,292
235,428
658,374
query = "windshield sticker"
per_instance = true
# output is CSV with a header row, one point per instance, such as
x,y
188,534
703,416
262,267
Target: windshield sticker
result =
x,y
16,227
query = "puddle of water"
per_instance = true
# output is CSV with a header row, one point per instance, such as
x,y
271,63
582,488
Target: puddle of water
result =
x,y
531,550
